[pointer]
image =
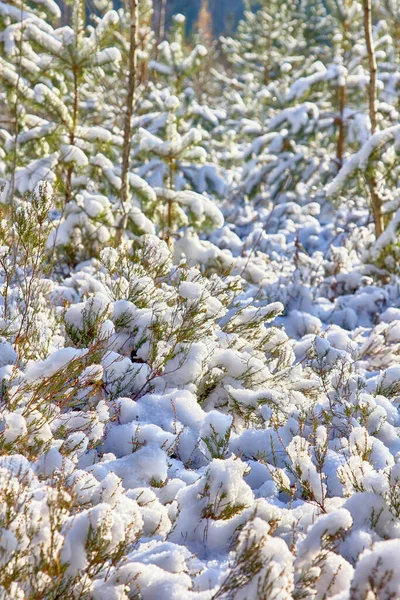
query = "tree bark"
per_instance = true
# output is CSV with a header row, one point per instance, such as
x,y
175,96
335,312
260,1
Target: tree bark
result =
x,y
70,170
78,24
371,63
376,202
161,27
371,179
132,81
341,124
342,100
396,39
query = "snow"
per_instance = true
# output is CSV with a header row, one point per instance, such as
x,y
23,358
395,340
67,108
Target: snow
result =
x,y
73,154
199,383
109,55
360,159
378,560
198,205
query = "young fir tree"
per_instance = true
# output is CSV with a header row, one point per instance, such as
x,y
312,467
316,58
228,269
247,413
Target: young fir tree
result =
x,y
372,171
313,120
264,66
169,150
176,62
64,130
57,128
165,160
265,36
21,67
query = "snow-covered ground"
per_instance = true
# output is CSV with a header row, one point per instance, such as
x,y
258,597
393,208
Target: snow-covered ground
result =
x,y
199,384
229,434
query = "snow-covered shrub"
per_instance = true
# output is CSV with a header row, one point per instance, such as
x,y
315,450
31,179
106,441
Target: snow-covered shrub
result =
x,y
26,318
200,387
63,64
173,207
49,545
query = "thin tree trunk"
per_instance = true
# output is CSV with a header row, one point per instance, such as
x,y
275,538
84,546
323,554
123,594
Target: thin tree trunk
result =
x,y
161,28
371,179
267,72
161,24
396,40
132,81
68,184
341,123
169,216
372,64
78,24
376,202
15,118
342,100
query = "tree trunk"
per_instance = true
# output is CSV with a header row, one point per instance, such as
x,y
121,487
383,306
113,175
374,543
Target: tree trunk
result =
x,y
371,179
70,170
78,24
371,63
170,186
396,40
161,27
341,124
132,80
342,100
376,202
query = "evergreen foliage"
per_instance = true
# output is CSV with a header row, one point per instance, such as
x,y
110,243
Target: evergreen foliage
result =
x,y
199,378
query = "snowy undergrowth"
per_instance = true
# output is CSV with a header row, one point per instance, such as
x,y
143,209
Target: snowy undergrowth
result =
x,y
200,380
181,432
